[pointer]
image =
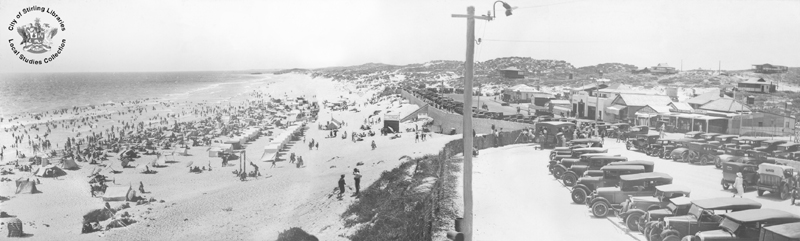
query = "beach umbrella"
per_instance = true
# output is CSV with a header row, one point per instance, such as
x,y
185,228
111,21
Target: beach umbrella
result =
x,y
189,164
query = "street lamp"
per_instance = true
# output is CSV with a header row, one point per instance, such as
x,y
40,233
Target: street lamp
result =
x,y
467,125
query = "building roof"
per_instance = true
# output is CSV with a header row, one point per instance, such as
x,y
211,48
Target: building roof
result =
x,y
705,98
644,100
771,65
664,65
559,102
521,88
660,108
724,105
682,106
756,80
512,68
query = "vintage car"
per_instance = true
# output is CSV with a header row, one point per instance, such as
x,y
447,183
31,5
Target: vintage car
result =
x,y
611,173
559,169
745,225
681,150
577,152
574,144
785,150
748,143
701,153
570,177
709,137
552,127
649,166
781,232
676,207
636,130
694,135
756,158
642,142
769,146
663,147
776,179
723,139
704,214
608,199
729,170
786,157
634,209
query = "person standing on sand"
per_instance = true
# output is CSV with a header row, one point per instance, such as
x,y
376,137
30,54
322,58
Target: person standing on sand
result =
x,y
341,186
273,163
317,145
357,179
739,184
416,139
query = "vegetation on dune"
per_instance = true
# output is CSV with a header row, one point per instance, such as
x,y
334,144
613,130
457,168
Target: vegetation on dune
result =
x,y
410,202
296,234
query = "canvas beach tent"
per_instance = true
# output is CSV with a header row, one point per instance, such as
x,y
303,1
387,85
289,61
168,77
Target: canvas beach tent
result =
x,y
125,193
158,161
26,185
69,164
50,171
270,152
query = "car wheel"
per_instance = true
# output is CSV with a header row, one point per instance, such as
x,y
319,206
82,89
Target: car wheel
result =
x,y
557,172
661,154
647,151
579,195
569,179
628,146
760,192
654,233
675,158
552,156
671,238
600,209
785,192
632,221
689,238
726,185
718,162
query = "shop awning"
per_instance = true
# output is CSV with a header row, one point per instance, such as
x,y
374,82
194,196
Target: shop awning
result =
x,y
561,108
711,118
614,109
646,115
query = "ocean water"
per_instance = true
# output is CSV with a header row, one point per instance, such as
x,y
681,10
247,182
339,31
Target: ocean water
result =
x,y
39,92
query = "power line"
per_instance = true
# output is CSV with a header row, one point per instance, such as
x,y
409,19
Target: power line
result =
x,y
544,41
545,5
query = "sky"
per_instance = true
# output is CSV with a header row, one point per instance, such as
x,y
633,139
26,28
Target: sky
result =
x,y
175,35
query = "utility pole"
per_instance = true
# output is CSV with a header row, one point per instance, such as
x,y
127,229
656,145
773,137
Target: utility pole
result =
x,y
467,125
466,225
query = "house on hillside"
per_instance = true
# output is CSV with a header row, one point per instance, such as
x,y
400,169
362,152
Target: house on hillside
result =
x,y
512,73
663,68
522,93
758,85
769,69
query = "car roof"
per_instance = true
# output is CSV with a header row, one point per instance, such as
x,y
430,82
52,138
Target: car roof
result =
x,y
694,132
680,200
737,163
645,176
620,158
590,148
621,124
634,163
652,134
762,215
731,203
711,134
674,188
641,127
688,140
622,167
773,141
789,144
598,154
762,168
789,230
727,136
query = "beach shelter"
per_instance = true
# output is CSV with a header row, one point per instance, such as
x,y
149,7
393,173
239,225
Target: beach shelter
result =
x,y
270,152
14,226
50,171
26,185
125,193
69,164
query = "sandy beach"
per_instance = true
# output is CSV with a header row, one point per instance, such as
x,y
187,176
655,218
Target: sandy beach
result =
x,y
215,205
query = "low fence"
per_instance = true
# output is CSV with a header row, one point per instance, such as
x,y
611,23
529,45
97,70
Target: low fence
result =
x,y
433,203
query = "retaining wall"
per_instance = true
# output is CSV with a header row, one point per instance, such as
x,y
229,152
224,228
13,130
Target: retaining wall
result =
x,y
444,121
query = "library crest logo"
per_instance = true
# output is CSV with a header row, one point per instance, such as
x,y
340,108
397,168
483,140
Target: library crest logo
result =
x,y
37,27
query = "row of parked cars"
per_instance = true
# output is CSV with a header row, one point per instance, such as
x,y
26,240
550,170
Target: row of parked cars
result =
x,y
649,203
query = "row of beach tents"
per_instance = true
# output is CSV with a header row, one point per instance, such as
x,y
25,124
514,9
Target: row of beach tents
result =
x,y
272,149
